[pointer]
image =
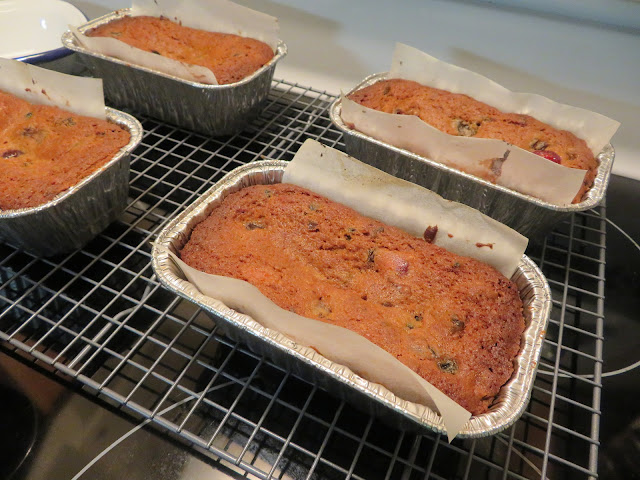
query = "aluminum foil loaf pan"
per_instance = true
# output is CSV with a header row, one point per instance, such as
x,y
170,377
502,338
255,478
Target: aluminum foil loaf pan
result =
x,y
210,109
526,214
79,213
511,401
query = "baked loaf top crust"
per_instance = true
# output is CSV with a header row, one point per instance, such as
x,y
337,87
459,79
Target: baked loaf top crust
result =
x,y
456,321
230,57
45,150
459,114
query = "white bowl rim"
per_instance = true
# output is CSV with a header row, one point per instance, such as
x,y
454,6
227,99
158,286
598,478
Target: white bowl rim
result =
x,y
53,9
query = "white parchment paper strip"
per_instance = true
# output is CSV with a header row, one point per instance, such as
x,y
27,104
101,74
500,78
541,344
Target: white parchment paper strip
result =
x,y
80,95
405,205
412,64
210,15
522,171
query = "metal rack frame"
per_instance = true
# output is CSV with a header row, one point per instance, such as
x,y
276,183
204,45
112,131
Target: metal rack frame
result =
x,y
98,317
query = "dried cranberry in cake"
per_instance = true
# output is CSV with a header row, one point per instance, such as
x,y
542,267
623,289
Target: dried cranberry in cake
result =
x,y
549,155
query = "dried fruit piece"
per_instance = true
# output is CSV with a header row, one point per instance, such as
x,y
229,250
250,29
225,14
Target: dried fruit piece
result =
x,y
537,144
549,155
350,231
430,233
464,128
457,325
12,153
448,365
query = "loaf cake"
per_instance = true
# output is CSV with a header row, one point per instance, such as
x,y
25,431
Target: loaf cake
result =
x,y
458,114
230,57
45,150
454,320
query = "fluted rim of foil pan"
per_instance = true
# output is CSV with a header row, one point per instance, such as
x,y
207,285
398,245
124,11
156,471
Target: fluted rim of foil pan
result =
x,y
594,196
130,123
510,402
69,42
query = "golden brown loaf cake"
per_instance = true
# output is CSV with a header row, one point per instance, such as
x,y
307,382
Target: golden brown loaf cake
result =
x,y
458,114
454,320
45,150
230,57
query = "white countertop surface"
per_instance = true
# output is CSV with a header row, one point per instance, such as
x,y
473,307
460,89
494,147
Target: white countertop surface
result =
x,y
579,61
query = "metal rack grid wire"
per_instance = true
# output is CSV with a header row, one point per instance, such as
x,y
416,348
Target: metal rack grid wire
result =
x,y
98,316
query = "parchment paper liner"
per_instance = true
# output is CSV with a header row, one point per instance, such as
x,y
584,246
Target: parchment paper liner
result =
x,y
239,295
210,15
522,171
80,95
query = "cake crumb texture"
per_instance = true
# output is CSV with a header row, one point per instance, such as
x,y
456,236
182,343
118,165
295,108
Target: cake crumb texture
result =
x,y
455,321
230,57
461,115
45,150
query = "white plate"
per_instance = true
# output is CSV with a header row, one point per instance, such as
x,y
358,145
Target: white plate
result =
x,y
30,30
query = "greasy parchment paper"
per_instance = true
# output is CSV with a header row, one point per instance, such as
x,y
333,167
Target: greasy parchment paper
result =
x,y
80,95
210,15
377,194
515,168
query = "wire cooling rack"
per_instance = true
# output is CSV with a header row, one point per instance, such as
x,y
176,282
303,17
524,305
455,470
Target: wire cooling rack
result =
x,y
100,318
